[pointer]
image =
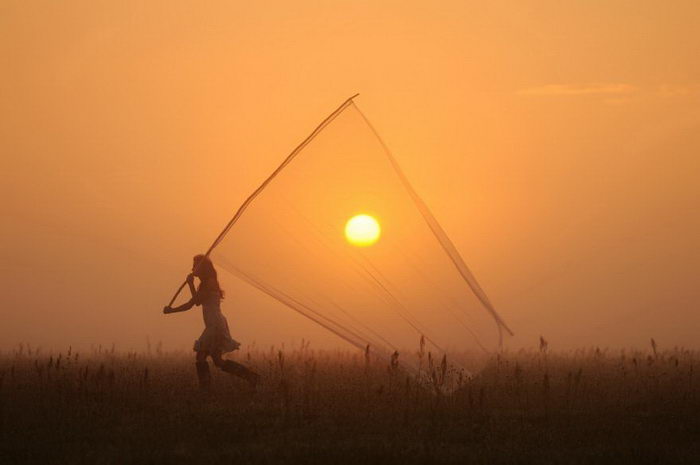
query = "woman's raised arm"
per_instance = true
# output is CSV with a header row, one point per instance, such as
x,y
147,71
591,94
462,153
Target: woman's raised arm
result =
x,y
182,308
190,283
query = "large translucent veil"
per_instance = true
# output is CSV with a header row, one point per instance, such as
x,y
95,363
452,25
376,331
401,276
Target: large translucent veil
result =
x,y
288,240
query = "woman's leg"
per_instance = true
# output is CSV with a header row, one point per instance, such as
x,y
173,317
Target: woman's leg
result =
x,y
203,369
229,366
216,358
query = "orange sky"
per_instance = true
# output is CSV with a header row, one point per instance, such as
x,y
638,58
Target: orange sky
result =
x,y
557,142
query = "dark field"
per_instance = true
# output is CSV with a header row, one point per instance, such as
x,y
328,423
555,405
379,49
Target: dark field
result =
x,y
336,407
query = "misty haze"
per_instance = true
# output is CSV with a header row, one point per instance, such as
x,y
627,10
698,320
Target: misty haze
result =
x,y
488,255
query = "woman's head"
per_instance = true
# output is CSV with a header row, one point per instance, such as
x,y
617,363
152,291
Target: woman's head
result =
x,y
203,268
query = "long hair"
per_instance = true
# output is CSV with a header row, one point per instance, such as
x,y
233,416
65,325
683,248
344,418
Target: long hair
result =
x,y
207,274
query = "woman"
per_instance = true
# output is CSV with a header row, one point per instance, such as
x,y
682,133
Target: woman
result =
x,y
215,339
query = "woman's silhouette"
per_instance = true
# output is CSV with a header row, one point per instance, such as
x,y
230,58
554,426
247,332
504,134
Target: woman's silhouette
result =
x,y
215,339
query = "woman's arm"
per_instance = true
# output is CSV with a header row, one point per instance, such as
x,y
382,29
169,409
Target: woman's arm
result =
x,y
182,308
189,304
190,283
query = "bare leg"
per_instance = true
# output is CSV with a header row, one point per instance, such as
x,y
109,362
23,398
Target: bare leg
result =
x,y
216,358
203,370
236,369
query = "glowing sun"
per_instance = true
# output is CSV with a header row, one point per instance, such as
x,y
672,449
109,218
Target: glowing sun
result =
x,y
362,230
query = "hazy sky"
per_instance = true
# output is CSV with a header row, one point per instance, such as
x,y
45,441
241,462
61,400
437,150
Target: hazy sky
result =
x,y
558,142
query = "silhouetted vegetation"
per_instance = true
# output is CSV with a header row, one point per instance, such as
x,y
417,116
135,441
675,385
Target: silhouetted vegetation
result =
x,y
326,407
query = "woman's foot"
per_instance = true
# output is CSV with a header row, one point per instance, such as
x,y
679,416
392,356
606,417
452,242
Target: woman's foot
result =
x,y
253,379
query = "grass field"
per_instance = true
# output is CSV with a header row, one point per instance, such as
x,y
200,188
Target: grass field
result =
x,y
325,407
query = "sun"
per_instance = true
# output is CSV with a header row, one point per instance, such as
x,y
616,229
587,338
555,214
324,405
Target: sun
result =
x,y
362,230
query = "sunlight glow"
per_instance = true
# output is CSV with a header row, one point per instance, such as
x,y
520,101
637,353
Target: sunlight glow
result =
x,y
362,230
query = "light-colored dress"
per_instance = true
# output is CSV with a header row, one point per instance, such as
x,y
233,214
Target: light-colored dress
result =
x,y
216,336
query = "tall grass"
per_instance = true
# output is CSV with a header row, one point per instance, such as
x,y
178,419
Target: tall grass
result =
x,y
318,406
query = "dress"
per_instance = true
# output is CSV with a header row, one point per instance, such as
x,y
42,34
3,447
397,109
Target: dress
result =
x,y
216,336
